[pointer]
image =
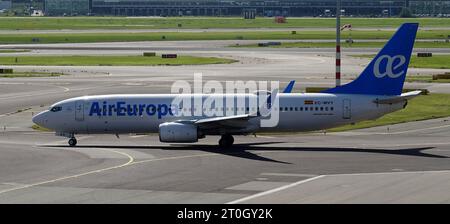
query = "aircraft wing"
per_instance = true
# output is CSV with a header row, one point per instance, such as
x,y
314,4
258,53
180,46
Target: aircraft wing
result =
x,y
242,117
400,98
235,123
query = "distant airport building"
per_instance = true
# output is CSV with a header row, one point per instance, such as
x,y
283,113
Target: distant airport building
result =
x,y
67,7
5,5
324,8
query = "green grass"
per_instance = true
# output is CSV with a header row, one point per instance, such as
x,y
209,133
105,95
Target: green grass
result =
x,y
437,61
13,51
163,36
30,74
425,78
110,60
420,108
434,44
56,23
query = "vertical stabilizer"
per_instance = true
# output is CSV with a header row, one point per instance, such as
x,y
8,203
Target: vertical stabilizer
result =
x,y
385,75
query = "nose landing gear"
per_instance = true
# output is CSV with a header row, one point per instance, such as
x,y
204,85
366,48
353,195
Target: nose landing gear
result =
x,y
72,142
226,141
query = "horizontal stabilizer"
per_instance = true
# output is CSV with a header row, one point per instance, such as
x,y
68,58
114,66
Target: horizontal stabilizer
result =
x,y
401,98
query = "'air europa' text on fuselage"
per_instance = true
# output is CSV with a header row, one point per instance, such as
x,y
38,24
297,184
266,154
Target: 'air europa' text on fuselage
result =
x,y
125,109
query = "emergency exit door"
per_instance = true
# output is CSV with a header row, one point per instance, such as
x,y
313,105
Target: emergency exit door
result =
x,y
347,109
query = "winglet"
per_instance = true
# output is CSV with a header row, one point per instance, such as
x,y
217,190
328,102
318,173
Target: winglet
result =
x,y
289,87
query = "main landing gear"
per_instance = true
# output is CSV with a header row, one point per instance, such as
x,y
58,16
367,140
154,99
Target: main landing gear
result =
x,y
72,142
226,141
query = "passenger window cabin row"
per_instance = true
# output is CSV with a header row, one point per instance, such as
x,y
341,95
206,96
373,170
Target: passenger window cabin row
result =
x,y
281,109
306,109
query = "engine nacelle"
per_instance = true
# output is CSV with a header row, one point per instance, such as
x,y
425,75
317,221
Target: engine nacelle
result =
x,y
178,132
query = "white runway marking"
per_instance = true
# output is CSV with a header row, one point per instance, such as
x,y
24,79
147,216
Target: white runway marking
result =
x,y
13,184
274,190
288,174
64,88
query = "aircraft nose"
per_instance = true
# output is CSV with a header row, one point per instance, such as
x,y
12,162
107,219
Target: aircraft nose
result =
x,y
40,119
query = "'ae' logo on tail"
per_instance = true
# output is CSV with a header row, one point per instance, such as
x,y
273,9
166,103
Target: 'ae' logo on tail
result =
x,y
392,64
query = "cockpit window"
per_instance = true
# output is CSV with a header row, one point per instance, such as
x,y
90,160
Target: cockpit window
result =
x,y
56,109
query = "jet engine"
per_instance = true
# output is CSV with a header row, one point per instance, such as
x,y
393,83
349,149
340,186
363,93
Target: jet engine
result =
x,y
178,132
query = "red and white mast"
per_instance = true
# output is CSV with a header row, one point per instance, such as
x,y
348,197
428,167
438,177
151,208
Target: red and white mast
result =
x,y
338,43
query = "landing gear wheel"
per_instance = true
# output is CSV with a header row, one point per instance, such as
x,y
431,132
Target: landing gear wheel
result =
x,y
72,142
226,141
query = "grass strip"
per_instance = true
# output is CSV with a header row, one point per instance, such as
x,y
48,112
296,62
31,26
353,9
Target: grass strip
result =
x,y
110,60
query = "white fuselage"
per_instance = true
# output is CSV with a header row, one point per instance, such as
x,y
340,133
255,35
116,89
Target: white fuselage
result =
x,y
143,113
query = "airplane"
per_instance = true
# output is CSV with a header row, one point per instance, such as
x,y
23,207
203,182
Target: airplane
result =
x,y
375,92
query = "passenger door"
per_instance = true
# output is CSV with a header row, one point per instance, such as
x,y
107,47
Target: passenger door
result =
x,y
79,110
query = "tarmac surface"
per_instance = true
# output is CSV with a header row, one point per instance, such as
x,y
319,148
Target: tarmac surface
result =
x,y
404,163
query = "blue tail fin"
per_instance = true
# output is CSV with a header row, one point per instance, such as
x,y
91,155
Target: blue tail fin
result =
x,y
386,73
